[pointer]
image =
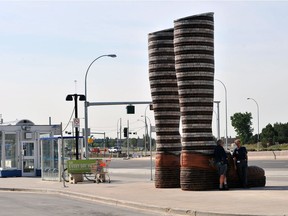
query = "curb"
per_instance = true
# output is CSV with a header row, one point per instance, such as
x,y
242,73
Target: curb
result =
x,y
129,204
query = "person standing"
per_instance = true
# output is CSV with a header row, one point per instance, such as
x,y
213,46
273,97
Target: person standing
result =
x,y
241,162
221,162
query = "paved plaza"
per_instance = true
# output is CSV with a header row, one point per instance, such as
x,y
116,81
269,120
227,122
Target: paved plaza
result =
x,y
131,191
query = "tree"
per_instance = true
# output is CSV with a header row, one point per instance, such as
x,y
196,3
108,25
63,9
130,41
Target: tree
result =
x,y
242,125
268,135
282,132
133,142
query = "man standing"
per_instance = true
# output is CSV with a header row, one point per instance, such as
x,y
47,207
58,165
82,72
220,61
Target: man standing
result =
x,y
221,161
241,162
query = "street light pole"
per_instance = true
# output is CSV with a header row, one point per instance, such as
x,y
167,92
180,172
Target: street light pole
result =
x,y
150,143
258,137
226,112
150,146
86,102
145,138
218,119
146,130
119,132
81,98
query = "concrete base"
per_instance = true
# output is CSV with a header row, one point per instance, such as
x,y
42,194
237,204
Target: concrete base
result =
x,y
74,178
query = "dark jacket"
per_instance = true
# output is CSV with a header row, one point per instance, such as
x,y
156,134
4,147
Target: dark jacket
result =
x,y
220,155
240,153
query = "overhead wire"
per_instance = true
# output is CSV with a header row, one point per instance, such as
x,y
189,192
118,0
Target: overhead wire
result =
x,y
69,120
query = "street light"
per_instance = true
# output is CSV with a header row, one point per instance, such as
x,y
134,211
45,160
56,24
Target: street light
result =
x,y
218,121
257,117
119,132
226,141
150,143
70,97
146,129
86,102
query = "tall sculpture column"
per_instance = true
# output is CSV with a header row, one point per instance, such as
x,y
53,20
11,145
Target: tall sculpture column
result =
x,y
165,100
194,64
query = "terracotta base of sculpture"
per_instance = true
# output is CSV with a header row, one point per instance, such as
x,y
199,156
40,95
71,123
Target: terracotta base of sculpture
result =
x,y
167,170
197,172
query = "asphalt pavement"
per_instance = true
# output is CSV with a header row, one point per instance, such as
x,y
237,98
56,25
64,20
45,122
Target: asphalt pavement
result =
x,y
140,192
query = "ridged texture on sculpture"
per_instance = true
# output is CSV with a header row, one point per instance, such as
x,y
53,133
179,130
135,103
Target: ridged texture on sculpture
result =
x,y
194,64
165,100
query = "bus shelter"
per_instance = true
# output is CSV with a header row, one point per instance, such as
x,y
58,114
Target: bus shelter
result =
x,y
56,151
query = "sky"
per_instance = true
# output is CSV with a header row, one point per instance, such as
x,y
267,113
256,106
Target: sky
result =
x,y
47,46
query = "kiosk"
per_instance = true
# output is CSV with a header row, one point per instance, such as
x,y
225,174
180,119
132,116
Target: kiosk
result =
x,y
20,147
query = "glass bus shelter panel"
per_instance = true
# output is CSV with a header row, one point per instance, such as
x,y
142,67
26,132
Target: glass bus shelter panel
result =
x,y
50,159
44,135
10,151
69,148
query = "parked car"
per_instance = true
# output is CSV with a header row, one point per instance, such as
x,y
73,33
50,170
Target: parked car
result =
x,y
114,149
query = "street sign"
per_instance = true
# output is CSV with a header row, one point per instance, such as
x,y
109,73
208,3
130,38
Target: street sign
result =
x,y
76,122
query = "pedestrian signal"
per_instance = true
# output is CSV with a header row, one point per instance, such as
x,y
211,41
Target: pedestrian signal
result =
x,y
125,131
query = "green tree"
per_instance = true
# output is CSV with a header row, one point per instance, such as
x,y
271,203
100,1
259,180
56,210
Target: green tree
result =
x,y
133,142
268,135
242,125
282,132
109,142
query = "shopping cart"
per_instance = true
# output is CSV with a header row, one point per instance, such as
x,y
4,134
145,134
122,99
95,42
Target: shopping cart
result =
x,y
101,170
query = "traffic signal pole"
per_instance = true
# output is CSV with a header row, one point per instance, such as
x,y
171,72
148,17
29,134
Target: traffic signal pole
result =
x,y
88,104
117,103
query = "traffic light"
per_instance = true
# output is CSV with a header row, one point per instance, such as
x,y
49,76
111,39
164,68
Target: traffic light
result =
x,y
130,109
125,131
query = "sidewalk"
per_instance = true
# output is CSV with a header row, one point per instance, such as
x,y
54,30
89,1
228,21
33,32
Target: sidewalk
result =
x,y
141,193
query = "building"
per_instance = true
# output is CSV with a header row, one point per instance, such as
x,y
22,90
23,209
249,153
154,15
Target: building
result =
x,y
21,148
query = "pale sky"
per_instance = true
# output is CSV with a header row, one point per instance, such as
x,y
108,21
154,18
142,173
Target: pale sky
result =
x,y
47,46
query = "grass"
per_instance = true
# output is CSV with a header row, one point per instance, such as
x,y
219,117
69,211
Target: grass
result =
x,y
277,147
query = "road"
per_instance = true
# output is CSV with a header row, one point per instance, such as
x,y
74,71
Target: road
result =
x,y
276,171
34,204
144,163
270,164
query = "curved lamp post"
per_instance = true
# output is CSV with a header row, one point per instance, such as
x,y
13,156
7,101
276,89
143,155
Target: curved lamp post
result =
x,y
86,102
257,117
226,140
